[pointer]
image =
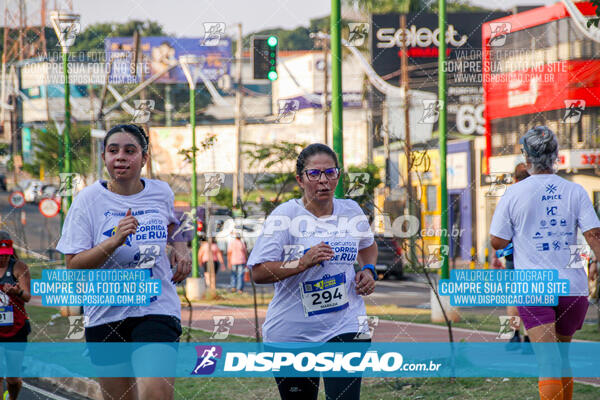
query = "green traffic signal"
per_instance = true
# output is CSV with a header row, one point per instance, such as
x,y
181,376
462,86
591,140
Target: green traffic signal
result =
x,y
272,41
272,75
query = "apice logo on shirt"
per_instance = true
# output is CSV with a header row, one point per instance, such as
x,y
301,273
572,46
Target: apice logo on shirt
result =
x,y
112,231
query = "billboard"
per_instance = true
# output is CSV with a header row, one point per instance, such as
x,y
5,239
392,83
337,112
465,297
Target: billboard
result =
x,y
158,52
463,65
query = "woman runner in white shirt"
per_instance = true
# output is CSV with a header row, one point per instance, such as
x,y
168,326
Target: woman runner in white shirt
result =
x,y
308,248
125,223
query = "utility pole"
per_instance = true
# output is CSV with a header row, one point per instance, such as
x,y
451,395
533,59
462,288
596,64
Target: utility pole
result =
x,y
407,144
336,89
238,174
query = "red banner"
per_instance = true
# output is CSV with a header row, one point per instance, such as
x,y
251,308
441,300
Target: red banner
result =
x,y
543,88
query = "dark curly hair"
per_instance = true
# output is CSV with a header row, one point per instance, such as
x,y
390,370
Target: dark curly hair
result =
x,y
134,130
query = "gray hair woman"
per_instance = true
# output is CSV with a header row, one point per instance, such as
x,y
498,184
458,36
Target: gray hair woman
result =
x,y
541,215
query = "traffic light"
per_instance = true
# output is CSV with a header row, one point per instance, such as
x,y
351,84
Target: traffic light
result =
x,y
264,57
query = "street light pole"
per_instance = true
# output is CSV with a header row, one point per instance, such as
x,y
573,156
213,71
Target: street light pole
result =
x,y
336,89
66,26
442,129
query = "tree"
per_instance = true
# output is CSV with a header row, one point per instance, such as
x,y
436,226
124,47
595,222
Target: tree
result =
x,y
407,6
388,6
275,157
47,151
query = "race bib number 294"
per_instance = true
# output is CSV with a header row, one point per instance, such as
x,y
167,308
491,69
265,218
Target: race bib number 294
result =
x,y
324,295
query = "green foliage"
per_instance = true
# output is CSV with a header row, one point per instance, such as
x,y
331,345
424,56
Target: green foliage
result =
x,y
278,156
47,154
387,6
406,6
207,143
224,197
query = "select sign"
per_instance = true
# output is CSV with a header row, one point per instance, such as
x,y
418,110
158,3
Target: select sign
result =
x,y
49,208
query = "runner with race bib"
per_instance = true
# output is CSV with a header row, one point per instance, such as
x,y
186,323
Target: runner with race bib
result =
x,y
14,323
308,248
126,223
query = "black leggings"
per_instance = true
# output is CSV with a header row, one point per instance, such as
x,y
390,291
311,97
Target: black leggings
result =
x,y
335,388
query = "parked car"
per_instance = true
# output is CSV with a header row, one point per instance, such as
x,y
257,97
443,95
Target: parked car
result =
x,y
389,257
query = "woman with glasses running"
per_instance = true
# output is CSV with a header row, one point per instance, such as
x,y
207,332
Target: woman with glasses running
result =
x,y
541,215
308,248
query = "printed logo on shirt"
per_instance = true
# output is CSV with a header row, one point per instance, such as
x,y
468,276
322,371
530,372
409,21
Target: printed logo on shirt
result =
x,y
207,359
551,210
345,251
538,236
112,231
553,222
542,247
551,193
563,222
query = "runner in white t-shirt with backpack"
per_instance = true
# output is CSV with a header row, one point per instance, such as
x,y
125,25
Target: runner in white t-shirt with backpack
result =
x,y
541,215
126,223
308,248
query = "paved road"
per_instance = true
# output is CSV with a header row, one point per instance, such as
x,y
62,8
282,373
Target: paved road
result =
x,y
38,234
34,389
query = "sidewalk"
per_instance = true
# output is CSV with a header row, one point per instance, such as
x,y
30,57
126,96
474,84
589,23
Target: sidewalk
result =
x,y
385,331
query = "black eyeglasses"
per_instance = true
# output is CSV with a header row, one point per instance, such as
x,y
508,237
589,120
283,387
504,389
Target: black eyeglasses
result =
x,y
315,174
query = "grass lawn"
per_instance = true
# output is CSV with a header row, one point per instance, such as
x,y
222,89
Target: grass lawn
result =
x,y
380,389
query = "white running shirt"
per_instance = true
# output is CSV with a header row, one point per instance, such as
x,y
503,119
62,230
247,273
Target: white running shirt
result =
x,y
287,233
541,215
92,218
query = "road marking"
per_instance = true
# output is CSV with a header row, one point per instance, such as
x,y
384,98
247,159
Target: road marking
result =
x,y
43,392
